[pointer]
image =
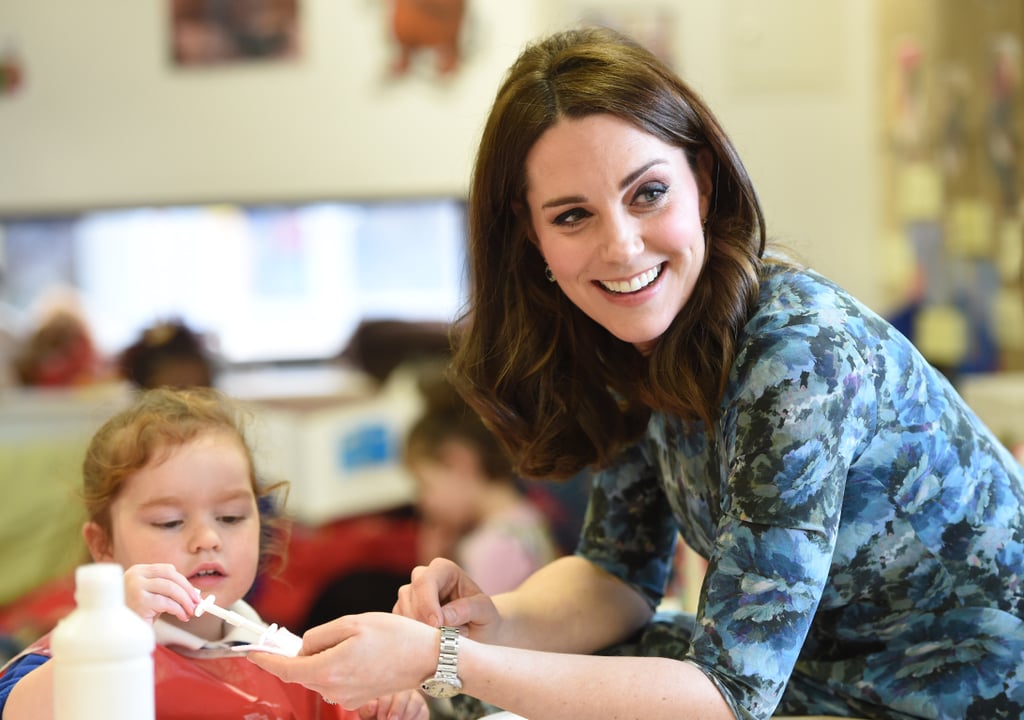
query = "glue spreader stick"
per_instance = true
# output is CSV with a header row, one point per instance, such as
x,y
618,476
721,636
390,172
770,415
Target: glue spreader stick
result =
x,y
230,616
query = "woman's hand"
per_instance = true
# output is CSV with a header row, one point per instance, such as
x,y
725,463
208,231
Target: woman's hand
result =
x,y
357,659
443,594
151,590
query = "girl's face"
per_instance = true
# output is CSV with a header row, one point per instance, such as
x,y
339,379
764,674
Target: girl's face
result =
x,y
449,485
195,510
617,215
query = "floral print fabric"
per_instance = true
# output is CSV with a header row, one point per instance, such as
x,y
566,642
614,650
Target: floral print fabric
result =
x,y
864,531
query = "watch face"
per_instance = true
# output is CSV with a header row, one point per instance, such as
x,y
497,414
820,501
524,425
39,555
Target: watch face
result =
x,y
442,687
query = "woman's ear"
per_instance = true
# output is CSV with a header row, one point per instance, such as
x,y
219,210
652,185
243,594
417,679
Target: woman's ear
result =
x,y
522,213
98,542
704,178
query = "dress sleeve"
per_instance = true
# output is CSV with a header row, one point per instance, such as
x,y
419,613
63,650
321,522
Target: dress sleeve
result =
x,y
800,404
628,529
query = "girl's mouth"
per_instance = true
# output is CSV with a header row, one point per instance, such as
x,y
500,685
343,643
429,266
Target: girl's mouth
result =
x,y
206,576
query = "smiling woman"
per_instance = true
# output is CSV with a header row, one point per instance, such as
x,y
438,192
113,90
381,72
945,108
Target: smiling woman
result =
x,y
832,478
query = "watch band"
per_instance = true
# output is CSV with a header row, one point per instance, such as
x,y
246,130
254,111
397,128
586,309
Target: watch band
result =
x,y
445,681
448,657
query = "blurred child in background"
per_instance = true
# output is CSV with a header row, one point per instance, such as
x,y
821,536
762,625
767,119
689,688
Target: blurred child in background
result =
x,y
59,352
172,495
168,354
472,507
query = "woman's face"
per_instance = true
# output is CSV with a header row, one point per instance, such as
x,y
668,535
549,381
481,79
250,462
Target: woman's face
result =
x,y
617,214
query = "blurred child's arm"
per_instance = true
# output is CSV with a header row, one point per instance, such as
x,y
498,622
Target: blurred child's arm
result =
x,y
151,590
31,697
408,705
435,540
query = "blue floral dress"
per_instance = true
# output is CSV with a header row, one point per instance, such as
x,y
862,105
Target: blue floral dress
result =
x,y
864,530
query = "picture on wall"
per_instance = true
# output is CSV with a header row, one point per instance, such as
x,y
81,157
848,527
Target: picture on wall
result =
x,y
215,32
427,31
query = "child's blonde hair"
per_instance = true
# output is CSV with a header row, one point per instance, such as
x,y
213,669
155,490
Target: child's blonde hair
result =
x,y
157,422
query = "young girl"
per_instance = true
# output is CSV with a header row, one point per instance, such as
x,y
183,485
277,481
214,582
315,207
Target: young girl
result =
x,y
172,495
472,509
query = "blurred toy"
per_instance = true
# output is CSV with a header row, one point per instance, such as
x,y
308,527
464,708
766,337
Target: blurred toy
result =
x,y
432,25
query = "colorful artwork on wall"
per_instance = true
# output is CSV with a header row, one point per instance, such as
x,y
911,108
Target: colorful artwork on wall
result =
x,y
12,72
429,29
956,213
214,32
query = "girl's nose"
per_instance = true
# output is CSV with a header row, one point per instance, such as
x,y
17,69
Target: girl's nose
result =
x,y
205,537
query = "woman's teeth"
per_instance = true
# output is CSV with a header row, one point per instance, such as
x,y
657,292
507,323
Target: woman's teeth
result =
x,y
633,284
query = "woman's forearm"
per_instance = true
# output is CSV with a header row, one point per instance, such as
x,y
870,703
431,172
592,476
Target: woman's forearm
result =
x,y
570,605
540,685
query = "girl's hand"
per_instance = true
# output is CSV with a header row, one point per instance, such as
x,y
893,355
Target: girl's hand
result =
x,y
406,705
443,594
151,590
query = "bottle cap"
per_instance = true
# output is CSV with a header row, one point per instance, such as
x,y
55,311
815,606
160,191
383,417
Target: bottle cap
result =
x,y
99,585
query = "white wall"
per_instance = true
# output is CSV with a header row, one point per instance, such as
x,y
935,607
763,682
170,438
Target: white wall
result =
x,y
104,119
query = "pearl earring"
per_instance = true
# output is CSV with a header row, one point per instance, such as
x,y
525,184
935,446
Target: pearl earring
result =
x,y
548,274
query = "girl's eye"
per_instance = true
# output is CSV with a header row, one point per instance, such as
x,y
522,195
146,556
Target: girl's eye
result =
x,y
651,192
232,519
168,524
571,217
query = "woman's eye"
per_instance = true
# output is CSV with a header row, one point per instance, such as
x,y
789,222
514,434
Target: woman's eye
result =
x,y
651,192
571,217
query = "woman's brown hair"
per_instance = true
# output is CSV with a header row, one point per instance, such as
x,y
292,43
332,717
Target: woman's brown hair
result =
x,y
157,422
560,391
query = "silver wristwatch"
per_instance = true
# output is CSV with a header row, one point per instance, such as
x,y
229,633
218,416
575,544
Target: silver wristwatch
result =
x,y
445,683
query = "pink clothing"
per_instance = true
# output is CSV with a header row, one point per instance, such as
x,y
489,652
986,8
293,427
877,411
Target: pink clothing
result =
x,y
506,549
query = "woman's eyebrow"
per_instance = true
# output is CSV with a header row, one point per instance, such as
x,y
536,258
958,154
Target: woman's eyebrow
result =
x,y
631,178
567,200
623,184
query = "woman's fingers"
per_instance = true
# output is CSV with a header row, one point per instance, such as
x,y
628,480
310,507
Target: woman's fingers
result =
x,y
430,587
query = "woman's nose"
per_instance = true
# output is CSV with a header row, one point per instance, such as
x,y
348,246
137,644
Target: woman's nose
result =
x,y
621,239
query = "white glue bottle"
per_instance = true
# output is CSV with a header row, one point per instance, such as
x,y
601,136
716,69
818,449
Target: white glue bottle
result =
x,y
102,653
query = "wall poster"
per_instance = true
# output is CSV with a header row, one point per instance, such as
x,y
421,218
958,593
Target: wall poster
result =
x,y
215,32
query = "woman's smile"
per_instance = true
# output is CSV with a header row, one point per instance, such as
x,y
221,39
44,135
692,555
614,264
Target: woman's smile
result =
x,y
634,284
